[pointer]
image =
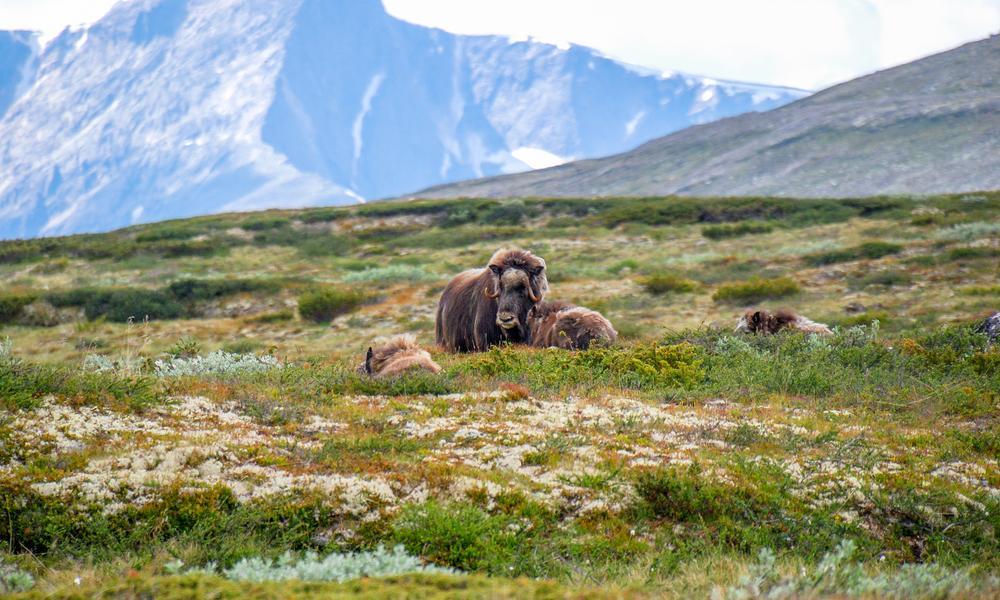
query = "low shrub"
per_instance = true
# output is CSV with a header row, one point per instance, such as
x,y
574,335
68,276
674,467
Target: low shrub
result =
x,y
13,579
837,576
684,495
641,365
334,567
263,223
971,253
172,231
719,232
12,305
512,212
664,283
756,290
883,278
272,317
460,536
190,290
868,250
122,304
324,304
216,363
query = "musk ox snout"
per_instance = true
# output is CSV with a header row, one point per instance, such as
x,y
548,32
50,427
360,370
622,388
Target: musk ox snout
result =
x,y
507,320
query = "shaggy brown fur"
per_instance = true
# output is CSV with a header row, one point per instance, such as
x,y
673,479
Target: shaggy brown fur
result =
x,y
562,325
484,307
399,354
768,323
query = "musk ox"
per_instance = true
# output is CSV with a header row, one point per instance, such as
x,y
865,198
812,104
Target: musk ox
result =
x,y
991,328
563,325
399,354
480,308
768,323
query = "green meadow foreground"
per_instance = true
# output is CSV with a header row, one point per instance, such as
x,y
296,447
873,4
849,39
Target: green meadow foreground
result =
x,y
227,445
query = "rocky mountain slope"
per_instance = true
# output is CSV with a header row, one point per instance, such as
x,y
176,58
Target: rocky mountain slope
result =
x,y
170,108
929,126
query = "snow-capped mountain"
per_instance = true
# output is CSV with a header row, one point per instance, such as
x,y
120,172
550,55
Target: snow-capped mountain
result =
x,y
171,108
18,61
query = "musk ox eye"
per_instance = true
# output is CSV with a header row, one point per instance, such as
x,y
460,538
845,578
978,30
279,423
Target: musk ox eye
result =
x,y
497,270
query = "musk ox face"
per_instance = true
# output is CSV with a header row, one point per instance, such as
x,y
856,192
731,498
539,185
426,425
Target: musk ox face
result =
x,y
750,322
517,286
480,308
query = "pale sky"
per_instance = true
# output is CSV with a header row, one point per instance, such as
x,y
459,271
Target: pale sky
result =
x,y
801,43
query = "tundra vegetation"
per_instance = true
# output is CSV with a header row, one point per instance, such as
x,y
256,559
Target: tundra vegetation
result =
x,y
228,445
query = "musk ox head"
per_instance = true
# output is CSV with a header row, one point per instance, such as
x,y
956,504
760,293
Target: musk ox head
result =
x,y
751,322
517,282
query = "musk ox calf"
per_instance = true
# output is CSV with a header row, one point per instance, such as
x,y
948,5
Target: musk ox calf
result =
x,y
480,308
563,325
768,323
396,356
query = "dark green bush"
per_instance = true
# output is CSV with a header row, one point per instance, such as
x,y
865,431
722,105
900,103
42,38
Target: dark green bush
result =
x,y
884,278
122,304
73,297
683,495
663,283
190,290
322,305
868,250
461,536
718,232
11,306
263,223
173,231
971,253
512,212
756,290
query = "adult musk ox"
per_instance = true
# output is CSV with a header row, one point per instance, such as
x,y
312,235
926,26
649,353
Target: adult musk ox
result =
x,y
399,354
768,323
563,325
480,308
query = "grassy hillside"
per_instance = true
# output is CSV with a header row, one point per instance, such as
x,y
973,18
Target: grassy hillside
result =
x,y
685,459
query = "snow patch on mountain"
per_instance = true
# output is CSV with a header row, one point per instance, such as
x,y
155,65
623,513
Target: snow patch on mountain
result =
x,y
537,158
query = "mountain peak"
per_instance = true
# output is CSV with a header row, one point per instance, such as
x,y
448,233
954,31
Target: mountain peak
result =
x,y
171,108
930,126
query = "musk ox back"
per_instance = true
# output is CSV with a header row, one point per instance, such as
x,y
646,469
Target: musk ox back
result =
x,y
480,308
396,356
563,325
767,323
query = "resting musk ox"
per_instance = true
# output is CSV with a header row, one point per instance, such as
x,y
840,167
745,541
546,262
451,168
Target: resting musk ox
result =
x,y
768,323
480,308
563,325
991,327
399,354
